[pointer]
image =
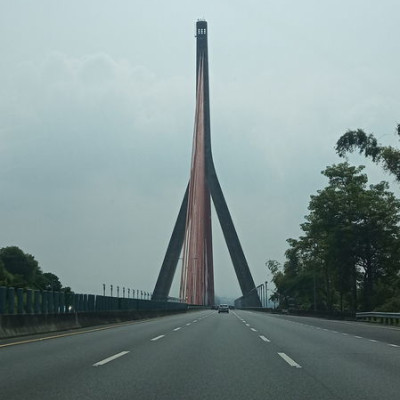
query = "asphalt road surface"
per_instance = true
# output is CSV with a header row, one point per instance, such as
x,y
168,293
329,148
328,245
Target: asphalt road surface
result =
x,y
206,355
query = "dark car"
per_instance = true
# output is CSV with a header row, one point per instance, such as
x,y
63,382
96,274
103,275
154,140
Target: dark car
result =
x,y
223,308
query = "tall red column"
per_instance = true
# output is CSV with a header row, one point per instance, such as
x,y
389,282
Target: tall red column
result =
x,y
192,230
197,281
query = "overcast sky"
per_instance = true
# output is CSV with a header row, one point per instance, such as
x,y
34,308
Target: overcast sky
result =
x,y
97,102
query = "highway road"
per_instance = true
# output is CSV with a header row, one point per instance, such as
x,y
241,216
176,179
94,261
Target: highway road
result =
x,y
206,355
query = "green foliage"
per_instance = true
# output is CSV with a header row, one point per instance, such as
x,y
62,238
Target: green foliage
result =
x,y
5,277
52,281
358,139
388,156
273,266
23,267
19,269
348,257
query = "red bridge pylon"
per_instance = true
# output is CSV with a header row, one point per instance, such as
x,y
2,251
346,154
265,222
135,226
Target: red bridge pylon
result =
x,y
192,231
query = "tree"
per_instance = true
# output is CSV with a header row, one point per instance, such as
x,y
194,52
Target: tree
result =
x,y
330,229
350,248
388,156
23,267
362,233
52,282
274,267
20,269
5,277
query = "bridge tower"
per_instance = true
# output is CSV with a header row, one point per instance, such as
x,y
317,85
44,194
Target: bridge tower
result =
x,y
192,234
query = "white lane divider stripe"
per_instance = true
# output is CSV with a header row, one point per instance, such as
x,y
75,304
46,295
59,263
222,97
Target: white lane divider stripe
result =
x,y
291,362
247,324
157,337
107,360
254,330
264,338
177,329
393,345
188,324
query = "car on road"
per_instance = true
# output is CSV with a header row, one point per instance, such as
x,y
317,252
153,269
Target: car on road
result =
x,y
223,308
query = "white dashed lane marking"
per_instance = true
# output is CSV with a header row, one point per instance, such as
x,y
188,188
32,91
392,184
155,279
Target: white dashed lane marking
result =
x,y
291,362
107,360
157,338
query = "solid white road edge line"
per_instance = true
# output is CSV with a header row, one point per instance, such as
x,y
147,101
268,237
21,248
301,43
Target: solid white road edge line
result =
x,y
156,338
264,338
291,362
106,360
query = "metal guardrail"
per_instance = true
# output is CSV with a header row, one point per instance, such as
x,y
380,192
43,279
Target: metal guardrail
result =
x,y
379,317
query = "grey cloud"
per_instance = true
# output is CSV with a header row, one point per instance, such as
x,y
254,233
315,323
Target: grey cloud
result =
x,y
96,121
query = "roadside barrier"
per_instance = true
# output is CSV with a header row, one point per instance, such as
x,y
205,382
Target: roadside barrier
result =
x,y
28,301
379,317
27,311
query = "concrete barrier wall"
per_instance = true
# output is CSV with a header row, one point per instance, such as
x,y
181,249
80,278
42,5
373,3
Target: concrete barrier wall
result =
x,y
29,324
26,311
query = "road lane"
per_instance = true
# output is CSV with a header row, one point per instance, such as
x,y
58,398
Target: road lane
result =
x,y
217,358
40,363
203,355
382,333
349,365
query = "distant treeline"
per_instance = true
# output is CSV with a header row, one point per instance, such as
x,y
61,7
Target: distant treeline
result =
x,y
21,270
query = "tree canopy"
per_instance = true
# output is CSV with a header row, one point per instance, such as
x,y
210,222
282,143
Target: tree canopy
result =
x,y
348,256
388,156
19,269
